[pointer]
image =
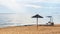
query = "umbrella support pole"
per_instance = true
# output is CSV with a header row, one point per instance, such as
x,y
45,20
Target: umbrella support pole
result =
x,y
37,23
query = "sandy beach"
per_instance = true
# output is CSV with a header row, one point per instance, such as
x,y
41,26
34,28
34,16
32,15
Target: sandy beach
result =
x,y
31,30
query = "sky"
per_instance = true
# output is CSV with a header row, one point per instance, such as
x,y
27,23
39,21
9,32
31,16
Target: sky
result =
x,y
28,8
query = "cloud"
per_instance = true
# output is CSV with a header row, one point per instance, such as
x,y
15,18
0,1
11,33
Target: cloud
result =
x,y
13,5
34,1
9,3
49,1
33,6
21,7
39,6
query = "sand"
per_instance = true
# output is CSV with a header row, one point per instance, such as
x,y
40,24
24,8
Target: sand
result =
x,y
31,30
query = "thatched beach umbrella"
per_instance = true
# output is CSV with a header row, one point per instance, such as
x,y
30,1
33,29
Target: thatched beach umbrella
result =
x,y
37,16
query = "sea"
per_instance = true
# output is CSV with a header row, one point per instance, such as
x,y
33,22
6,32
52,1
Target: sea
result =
x,y
10,19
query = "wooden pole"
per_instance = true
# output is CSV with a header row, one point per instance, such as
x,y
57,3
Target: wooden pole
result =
x,y
37,23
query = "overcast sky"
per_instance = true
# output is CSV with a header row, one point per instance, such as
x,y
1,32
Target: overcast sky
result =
x,y
32,7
